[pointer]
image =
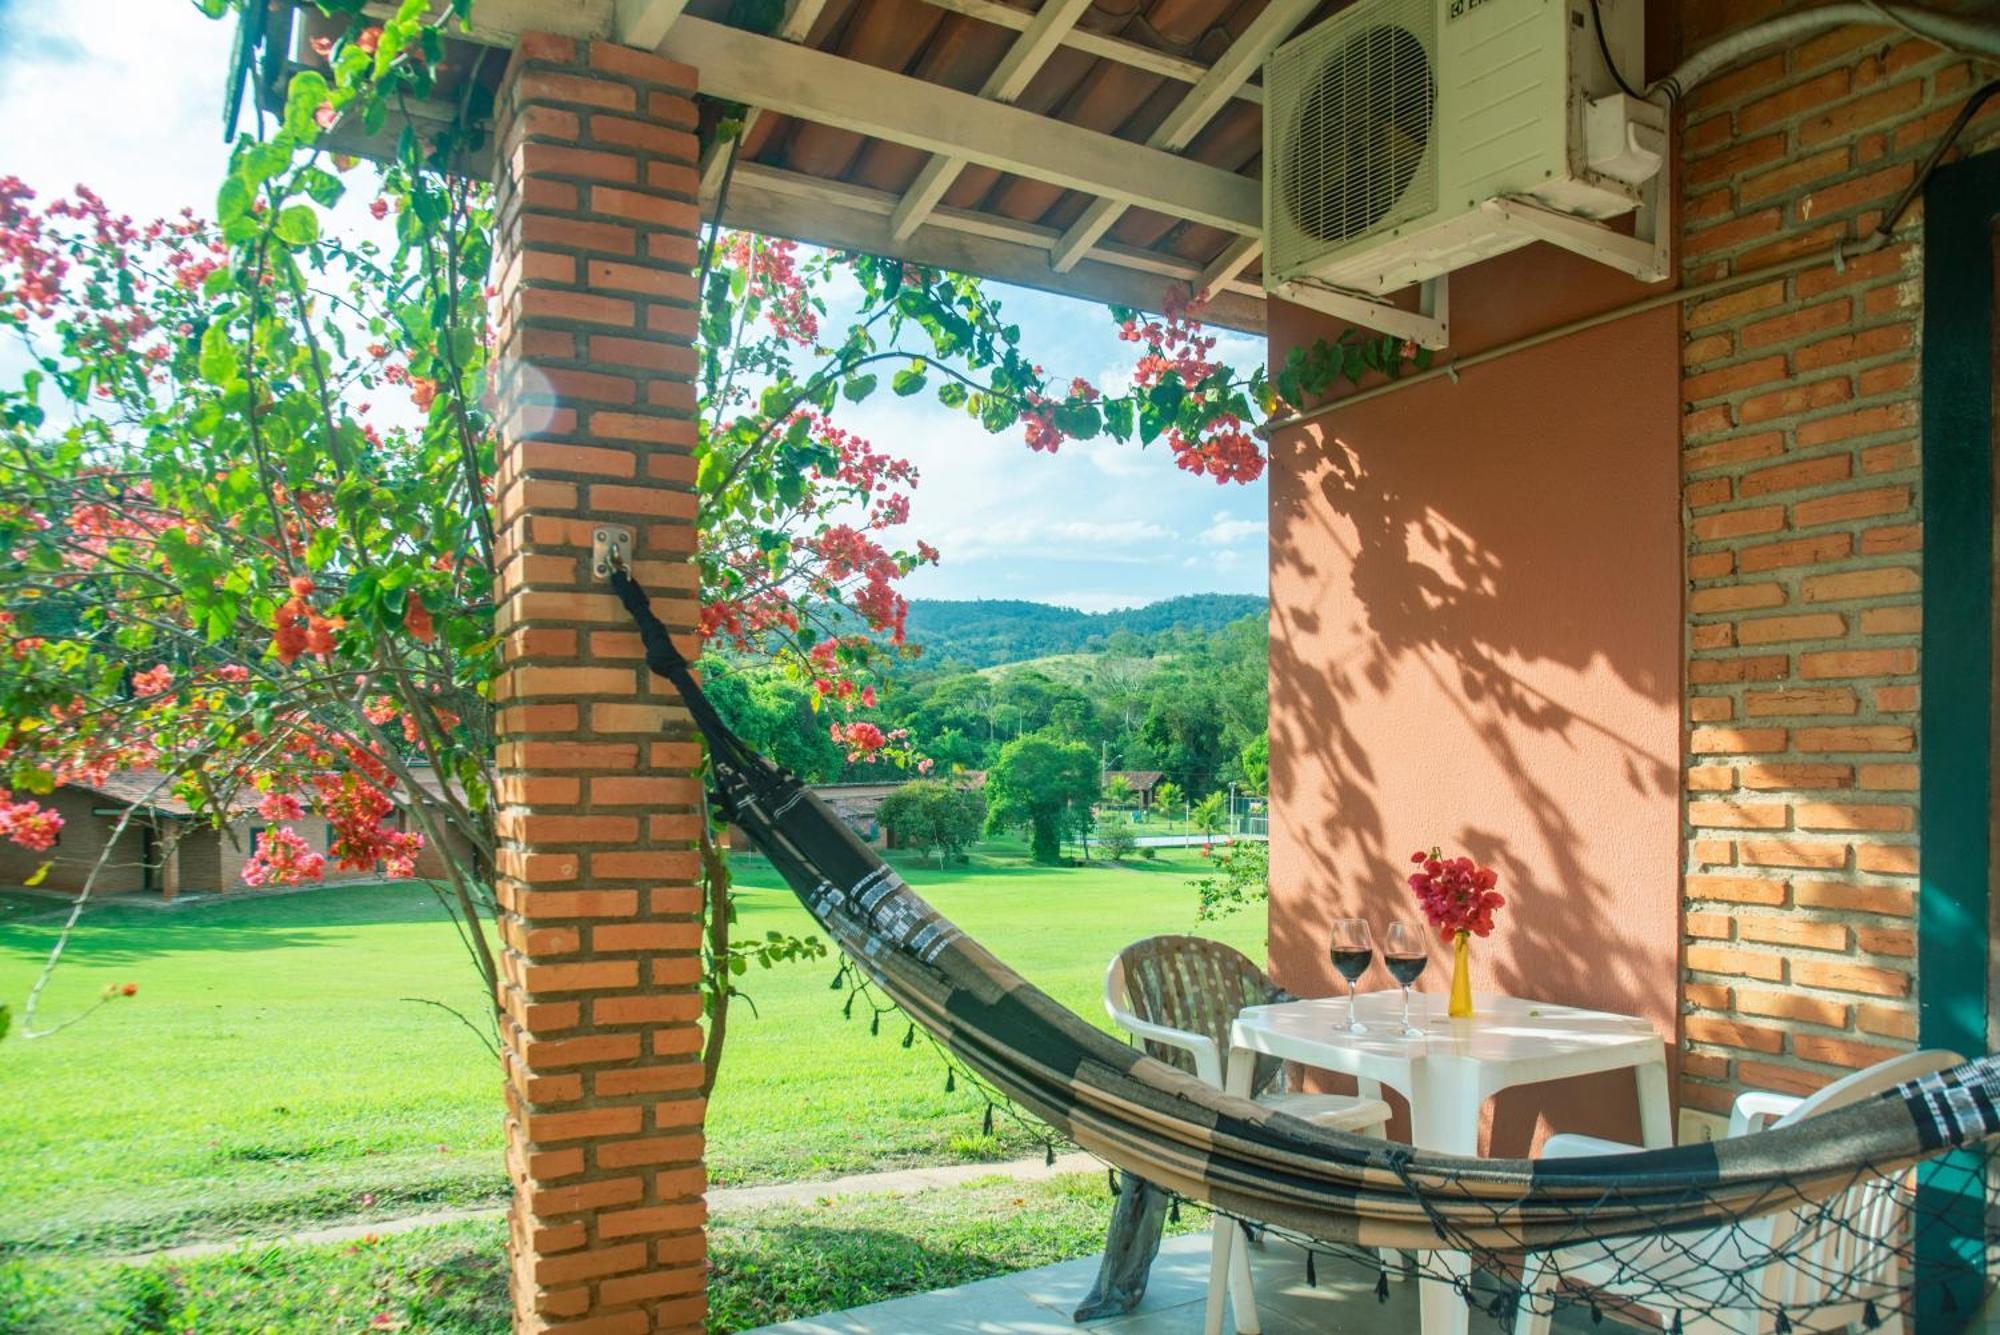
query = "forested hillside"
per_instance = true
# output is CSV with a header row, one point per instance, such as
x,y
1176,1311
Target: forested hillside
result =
x,y
1186,701
987,632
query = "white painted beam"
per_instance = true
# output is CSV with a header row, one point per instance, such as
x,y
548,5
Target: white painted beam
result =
x,y
642,23
796,26
849,95
1117,49
1030,51
776,202
1195,110
501,22
1234,259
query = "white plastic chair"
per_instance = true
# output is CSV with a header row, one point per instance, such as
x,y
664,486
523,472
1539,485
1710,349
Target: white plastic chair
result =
x,y
1179,995
1852,1237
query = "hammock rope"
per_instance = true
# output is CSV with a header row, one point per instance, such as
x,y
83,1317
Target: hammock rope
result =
x,y
1675,1223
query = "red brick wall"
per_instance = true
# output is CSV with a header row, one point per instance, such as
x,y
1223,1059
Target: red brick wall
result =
x,y
595,872
1804,554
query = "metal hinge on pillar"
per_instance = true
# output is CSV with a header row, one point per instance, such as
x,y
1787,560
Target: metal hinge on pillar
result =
x,y
610,549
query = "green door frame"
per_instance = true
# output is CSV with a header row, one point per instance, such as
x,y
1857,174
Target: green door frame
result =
x,y
1961,204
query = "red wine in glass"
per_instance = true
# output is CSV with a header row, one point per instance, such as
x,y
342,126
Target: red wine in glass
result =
x,y
1406,950
1353,950
1405,969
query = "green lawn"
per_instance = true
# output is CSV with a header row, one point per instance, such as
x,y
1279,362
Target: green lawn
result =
x,y
768,1265
269,1074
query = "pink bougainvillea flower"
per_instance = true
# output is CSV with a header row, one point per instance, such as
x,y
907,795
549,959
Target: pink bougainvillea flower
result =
x,y
281,806
1456,894
155,680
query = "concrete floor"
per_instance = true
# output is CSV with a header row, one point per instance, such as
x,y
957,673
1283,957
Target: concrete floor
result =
x,y
1039,1302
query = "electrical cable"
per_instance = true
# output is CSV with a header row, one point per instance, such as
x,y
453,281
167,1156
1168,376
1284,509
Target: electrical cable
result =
x,y
1604,46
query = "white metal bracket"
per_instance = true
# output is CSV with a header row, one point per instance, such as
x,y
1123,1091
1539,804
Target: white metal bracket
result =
x,y
1647,254
1428,326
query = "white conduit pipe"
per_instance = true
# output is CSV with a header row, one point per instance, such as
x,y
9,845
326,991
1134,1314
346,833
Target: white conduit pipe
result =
x,y
1958,35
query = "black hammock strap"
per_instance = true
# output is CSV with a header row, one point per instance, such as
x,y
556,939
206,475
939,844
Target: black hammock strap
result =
x,y
1198,1143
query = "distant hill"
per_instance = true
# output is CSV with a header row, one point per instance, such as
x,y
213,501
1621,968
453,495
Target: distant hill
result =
x,y
986,632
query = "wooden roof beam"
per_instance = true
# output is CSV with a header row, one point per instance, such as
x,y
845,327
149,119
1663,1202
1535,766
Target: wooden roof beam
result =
x,y
776,202
1197,109
642,23
1117,49
848,95
1030,51
800,15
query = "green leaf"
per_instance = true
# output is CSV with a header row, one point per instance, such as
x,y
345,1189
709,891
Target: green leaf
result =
x,y
234,199
1078,420
308,92
858,388
1118,418
219,363
910,380
297,226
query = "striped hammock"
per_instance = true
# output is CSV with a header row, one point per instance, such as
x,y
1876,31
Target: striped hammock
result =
x,y
1346,1193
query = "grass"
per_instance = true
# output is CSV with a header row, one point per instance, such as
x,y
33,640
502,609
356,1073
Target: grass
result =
x,y
768,1265
270,1074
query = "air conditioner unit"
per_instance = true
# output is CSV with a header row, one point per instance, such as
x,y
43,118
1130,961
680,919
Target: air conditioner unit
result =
x,y
1404,139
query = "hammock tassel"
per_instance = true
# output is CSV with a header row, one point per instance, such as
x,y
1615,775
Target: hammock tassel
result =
x,y
986,1128
875,1025
1677,1324
1596,1315
910,1036
1312,1275
1048,1154
1869,1316
838,978
1783,1325
1111,1175
1174,1210
1382,1286
847,1011
951,1087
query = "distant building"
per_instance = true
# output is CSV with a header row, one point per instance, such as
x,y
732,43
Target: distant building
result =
x,y
860,805
164,847
1142,782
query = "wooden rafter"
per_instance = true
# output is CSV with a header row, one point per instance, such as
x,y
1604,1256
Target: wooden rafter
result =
x,y
1194,111
800,15
777,202
642,23
817,86
1098,44
1224,268
1030,51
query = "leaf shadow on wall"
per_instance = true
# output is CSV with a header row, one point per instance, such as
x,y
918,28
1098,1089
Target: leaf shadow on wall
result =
x,y
1414,566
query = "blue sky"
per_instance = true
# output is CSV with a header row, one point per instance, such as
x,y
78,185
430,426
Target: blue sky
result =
x,y
1097,526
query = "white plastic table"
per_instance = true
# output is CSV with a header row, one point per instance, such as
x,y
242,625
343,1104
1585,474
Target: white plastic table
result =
x,y
1449,1073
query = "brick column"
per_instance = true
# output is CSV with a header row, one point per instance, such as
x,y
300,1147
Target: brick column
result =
x,y
594,243
1804,554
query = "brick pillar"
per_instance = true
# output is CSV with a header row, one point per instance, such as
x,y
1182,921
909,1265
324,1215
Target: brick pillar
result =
x,y
595,240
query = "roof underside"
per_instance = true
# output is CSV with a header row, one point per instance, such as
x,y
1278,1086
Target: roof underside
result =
x,y
1106,149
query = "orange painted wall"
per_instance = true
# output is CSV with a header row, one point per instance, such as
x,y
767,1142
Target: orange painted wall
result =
x,y
1476,629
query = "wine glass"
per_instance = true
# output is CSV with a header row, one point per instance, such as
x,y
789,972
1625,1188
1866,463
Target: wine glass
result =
x,y
1353,951
1406,950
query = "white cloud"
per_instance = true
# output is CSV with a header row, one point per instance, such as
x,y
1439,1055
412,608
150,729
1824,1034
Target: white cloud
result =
x,y
1226,530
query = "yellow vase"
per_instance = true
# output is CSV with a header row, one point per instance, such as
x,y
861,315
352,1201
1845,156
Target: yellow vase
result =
x,y
1461,977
